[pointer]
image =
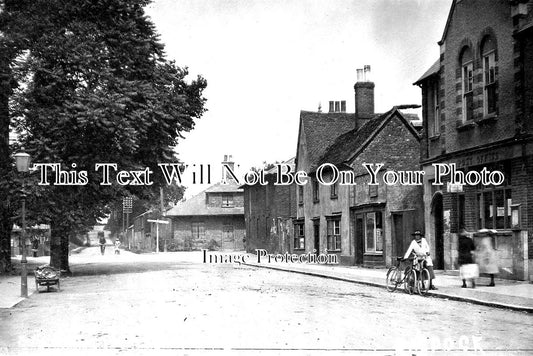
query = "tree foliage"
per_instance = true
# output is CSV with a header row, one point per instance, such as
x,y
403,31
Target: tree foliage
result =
x,y
95,87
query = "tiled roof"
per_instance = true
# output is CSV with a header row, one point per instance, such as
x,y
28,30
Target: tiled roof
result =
x,y
197,205
289,162
348,145
434,69
224,188
321,129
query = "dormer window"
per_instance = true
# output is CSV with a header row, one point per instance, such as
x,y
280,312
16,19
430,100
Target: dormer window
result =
x,y
467,86
488,52
227,201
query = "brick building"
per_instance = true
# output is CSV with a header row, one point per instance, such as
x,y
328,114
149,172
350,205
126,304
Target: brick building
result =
x,y
477,110
213,218
268,212
383,216
356,222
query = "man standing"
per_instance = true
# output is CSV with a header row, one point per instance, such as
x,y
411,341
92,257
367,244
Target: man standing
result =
x,y
420,247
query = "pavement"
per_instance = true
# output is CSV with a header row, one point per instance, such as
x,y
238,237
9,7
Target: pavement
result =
x,y
508,294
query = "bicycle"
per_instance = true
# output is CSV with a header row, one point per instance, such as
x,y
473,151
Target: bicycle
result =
x,y
423,276
396,277
414,279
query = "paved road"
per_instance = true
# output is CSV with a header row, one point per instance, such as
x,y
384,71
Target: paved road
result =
x,y
169,304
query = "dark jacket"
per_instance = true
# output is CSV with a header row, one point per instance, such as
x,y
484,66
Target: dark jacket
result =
x,y
466,245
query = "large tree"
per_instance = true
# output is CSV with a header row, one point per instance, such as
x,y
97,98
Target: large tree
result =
x,y
95,87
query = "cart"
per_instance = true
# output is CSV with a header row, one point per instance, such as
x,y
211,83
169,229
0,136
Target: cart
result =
x,y
47,276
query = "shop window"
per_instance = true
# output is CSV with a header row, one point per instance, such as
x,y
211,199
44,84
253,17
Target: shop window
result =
x,y
373,232
495,202
299,236
334,234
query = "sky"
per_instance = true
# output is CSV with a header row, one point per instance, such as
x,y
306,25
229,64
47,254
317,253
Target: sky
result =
x,y
265,60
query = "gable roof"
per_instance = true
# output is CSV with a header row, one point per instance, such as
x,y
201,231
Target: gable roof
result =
x,y
197,205
434,69
320,130
349,145
448,21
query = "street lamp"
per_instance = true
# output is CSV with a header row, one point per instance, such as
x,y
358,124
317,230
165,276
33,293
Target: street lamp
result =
x,y
22,160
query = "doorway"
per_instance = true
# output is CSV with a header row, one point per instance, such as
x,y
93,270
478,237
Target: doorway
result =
x,y
437,215
316,234
359,239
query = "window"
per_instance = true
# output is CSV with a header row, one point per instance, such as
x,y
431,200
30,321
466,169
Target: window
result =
x,y
227,232
372,190
334,235
299,236
315,191
494,202
373,232
488,51
467,80
435,127
461,217
300,194
198,230
227,201
334,190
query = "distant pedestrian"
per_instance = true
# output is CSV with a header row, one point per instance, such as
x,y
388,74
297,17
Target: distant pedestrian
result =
x,y
467,268
117,245
102,245
486,256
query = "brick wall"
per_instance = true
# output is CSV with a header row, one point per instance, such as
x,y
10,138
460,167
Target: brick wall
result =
x,y
268,210
213,227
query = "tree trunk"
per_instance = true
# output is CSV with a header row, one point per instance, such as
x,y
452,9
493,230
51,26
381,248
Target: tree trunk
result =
x,y
59,242
5,166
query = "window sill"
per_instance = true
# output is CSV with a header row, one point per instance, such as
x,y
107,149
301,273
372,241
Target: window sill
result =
x,y
299,249
434,137
334,197
316,201
462,126
300,203
334,251
373,254
487,119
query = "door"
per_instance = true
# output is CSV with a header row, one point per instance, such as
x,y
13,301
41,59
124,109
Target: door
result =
x,y
359,239
398,231
316,235
438,221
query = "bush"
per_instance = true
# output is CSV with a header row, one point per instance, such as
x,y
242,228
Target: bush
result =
x,y
172,246
212,245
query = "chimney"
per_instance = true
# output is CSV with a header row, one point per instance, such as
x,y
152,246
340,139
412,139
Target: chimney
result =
x,y
337,106
226,175
364,94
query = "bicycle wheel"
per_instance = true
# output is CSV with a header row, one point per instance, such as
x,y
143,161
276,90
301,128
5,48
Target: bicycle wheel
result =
x,y
424,281
393,279
410,284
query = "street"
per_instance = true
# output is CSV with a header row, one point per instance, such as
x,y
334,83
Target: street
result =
x,y
174,304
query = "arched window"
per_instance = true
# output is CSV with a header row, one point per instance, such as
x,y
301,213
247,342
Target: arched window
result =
x,y
467,76
488,54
